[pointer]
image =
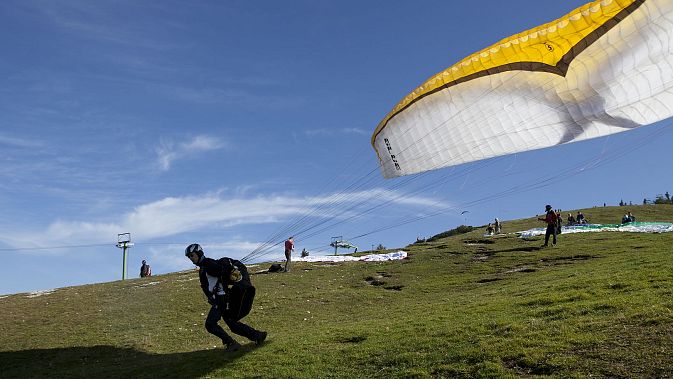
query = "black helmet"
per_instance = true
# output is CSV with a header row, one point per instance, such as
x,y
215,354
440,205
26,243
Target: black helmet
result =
x,y
194,248
547,207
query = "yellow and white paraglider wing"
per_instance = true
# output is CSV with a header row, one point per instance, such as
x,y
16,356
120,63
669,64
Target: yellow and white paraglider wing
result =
x,y
606,67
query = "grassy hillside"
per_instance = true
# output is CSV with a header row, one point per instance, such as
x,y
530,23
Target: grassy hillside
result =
x,y
598,304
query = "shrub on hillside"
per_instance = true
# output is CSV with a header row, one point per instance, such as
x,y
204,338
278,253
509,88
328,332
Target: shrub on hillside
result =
x,y
453,232
662,200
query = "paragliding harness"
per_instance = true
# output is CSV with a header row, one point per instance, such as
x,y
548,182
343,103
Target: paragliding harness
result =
x,y
275,267
237,300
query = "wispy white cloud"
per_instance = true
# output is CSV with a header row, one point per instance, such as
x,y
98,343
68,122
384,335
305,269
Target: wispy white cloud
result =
x,y
168,151
230,95
19,142
173,216
329,132
165,155
203,143
95,21
355,131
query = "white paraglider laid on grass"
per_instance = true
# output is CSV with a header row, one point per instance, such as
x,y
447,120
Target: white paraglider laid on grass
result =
x,y
633,227
349,258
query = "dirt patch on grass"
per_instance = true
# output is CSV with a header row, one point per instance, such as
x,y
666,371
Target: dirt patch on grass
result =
x,y
580,257
480,257
374,281
527,366
520,269
478,242
377,281
351,339
522,249
488,280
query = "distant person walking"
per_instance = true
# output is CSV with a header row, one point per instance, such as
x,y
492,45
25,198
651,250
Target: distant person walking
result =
x,y
289,246
497,226
145,270
551,220
227,286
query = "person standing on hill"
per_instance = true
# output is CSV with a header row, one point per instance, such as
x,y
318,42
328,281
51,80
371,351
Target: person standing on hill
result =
x,y
145,270
552,224
289,246
226,284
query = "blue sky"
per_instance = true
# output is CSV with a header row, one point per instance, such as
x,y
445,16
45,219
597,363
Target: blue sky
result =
x,y
233,123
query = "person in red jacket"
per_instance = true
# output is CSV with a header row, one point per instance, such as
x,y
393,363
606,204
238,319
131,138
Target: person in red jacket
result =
x,y
551,220
289,246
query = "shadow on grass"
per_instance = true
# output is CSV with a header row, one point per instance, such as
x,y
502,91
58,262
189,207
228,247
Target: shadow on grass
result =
x,y
113,362
522,249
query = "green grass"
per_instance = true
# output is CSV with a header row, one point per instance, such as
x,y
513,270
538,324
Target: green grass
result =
x,y
465,306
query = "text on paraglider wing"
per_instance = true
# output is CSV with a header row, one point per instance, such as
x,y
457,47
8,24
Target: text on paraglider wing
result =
x,y
392,156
